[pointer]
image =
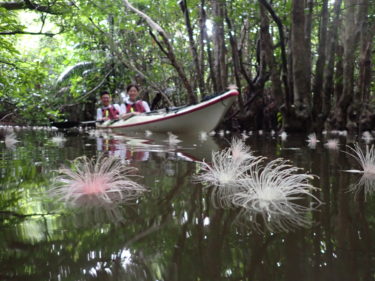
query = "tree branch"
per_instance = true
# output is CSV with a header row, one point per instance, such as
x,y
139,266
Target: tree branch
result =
x,y
171,55
29,33
158,42
27,4
9,63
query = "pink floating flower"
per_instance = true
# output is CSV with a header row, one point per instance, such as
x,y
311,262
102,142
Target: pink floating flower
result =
x,y
105,178
332,144
312,140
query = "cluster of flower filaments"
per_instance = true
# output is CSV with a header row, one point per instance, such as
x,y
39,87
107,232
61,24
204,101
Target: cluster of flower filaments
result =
x,y
105,179
273,190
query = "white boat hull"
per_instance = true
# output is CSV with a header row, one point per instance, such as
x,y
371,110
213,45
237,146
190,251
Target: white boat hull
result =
x,y
204,116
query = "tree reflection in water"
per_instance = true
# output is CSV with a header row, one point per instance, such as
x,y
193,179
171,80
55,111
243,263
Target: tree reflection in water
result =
x,y
177,231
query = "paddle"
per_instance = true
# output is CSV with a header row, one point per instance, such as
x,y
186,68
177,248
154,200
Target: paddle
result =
x,y
71,124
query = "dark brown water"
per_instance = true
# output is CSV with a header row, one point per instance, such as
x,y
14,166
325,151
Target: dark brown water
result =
x,y
174,231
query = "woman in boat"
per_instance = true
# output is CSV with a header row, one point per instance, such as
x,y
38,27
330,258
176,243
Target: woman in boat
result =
x,y
132,105
107,111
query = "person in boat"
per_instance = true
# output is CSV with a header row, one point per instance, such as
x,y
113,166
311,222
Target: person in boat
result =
x,y
132,105
107,111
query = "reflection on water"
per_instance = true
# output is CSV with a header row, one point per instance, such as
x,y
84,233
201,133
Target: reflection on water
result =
x,y
366,185
175,231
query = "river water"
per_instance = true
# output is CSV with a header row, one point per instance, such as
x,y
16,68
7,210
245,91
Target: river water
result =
x,y
175,231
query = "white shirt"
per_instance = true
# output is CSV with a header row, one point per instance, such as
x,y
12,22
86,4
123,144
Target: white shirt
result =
x,y
127,101
99,112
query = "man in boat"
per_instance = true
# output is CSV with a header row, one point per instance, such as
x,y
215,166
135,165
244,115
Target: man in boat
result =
x,y
107,111
132,105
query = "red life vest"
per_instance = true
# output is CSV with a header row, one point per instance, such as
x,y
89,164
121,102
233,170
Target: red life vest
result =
x,y
137,106
111,112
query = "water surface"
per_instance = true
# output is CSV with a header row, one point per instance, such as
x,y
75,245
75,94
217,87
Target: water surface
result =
x,y
175,231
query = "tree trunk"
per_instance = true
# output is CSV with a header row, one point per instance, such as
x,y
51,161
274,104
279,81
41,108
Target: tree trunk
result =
x,y
198,70
300,61
220,68
338,74
287,89
349,45
364,83
267,45
366,37
318,114
236,59
309,6
204,37
328,82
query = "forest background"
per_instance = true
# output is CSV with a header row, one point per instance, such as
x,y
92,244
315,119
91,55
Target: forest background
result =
x,y
300,65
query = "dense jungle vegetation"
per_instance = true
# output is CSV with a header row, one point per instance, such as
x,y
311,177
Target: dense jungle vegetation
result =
x,y
300,65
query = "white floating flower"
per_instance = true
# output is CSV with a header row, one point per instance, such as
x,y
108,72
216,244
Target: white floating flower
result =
x,y
367,137
10,140
59,139
225,170
273,190
283,136
367,162
244,136
239,151
172,139
203,136
148,133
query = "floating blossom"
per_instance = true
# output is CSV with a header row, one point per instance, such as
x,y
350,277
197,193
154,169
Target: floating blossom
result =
x,y
367,162
332,144
59,139
312,140
365,159
107,179
172,139
240,152
244,136
10,140
366,183
367,137
272,190
203,136
283,136
343,133
225,171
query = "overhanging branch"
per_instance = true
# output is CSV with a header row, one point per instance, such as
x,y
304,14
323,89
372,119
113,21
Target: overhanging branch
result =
x,y
49,34
28,5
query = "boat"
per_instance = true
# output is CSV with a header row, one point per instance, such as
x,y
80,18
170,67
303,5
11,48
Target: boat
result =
x,y
201,117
